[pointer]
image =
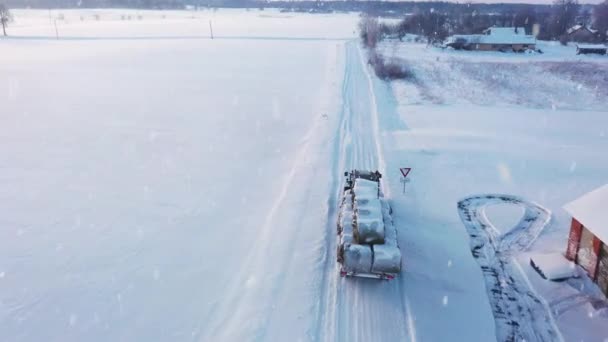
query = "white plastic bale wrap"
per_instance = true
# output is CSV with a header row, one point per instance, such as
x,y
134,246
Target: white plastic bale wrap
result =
x,y
357,258
390,233
387,259
346,216
365,188
368,238
369,223
347,234
369,231
346,220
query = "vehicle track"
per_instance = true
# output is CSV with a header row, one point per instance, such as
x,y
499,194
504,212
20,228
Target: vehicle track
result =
x,y
520,315
356,309
253,299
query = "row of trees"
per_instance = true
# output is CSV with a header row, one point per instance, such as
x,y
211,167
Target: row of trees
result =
x,y
435,26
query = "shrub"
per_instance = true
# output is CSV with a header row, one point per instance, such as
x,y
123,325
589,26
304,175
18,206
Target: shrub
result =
x,y
393,69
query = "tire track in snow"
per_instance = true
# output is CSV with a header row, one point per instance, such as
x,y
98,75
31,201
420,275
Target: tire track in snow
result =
x,y
356,309
519,313
326,311
251,299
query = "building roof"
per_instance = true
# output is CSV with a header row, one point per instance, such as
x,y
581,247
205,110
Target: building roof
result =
x,y
591,210
505,31
578,27
591,47
498,35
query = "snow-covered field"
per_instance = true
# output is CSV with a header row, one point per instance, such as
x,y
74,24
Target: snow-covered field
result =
x,y
129,24
532,126
157,185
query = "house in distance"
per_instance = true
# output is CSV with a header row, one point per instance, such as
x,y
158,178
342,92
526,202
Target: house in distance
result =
x,y
495,39
582,33
588,239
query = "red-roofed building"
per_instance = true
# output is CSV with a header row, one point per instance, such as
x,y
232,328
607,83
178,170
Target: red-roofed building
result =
x,y
588,240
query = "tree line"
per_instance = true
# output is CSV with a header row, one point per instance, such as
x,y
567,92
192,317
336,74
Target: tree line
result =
x,y
431,20
551,24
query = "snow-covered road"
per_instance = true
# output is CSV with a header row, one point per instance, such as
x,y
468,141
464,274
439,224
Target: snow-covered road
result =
x,y
355,309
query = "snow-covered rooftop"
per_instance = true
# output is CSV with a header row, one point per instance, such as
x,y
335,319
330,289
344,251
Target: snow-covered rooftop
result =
x,y
499,35
591,210
505,31
591,46
578,27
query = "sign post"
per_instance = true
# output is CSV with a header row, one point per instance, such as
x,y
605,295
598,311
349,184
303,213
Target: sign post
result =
x,y
404,172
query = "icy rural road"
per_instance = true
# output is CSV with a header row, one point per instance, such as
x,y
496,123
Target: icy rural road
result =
x,y
519,313
356,309
260,304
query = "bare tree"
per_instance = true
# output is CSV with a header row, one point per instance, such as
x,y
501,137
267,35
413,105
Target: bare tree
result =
x,y
564,15
600,19
5,17
525,17
369,31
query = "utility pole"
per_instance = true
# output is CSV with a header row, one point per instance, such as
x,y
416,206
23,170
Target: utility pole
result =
x,y
211,29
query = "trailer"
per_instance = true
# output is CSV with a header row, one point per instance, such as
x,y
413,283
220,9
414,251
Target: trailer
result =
x,y
367,238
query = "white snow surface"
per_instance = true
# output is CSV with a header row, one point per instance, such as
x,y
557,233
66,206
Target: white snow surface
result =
x,y
504,216
166,189
153,24
591,210
554,266
469,124
158,185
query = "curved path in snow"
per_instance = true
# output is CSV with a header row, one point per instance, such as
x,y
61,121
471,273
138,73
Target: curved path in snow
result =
x,y
519,313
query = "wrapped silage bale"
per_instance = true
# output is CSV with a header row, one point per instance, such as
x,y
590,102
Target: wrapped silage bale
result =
x,y
346,214
390,233
365,188
387,259
369,224
346,219
357,258
347,234
369,231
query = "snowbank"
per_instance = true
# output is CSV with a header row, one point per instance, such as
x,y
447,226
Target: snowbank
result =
x,y
553,266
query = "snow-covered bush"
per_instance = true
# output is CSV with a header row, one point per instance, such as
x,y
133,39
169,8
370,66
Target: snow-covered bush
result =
x,y
391,69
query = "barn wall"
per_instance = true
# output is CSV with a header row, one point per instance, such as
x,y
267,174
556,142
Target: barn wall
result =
x,y
602,270
574,239
597,246
586,255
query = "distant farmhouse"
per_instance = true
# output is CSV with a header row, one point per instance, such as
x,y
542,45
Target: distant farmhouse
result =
x,y
495,39
582,33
